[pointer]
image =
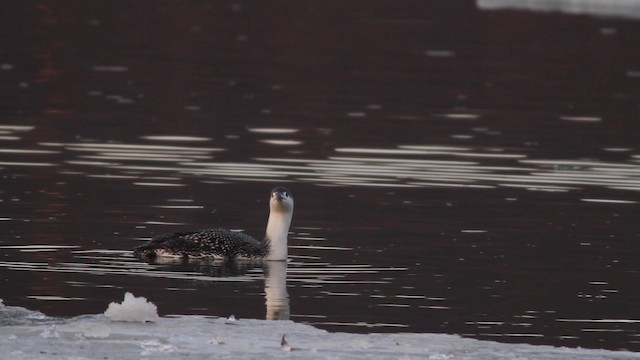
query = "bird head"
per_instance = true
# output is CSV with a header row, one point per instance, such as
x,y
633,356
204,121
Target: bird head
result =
x,y
281,200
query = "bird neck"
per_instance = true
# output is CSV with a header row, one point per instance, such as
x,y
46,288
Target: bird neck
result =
x,y
276,235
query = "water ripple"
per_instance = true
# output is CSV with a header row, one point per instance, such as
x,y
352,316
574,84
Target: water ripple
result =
x,y
408,166
404,166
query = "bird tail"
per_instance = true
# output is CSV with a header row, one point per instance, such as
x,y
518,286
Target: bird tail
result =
x,y
145,250
162,242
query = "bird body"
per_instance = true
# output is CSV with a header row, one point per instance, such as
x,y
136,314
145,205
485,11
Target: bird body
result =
x,y
230,244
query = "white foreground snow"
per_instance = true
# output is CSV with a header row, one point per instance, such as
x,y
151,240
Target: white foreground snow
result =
x,y
197,337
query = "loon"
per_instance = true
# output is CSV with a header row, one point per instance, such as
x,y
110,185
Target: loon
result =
x,y
229,244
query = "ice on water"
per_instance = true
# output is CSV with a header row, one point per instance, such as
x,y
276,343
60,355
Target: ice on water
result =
x,y
132,309
197,337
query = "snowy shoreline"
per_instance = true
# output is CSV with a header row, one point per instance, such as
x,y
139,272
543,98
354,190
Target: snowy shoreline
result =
x,y
199,337
195,337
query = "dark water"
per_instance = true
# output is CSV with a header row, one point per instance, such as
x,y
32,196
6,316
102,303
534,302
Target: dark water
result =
x,y
455,170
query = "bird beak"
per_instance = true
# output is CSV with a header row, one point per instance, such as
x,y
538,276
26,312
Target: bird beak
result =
x,y
278,196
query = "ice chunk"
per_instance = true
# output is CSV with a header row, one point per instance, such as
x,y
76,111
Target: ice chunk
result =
x,y
132,309
14,315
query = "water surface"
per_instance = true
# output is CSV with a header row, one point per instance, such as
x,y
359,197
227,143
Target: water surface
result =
x,y
455,170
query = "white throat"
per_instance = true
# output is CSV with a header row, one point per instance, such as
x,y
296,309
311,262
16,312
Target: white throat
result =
x,y
277,231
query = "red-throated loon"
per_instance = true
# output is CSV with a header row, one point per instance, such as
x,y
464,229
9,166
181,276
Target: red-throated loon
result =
x,y
230,244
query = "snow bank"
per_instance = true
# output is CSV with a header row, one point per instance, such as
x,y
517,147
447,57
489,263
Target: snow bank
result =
x,y
198,337
132,309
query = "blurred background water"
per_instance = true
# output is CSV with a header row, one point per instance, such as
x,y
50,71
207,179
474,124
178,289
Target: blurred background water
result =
x,y
458,167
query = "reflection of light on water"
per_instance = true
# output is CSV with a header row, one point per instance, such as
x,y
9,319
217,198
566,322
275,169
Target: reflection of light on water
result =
x,y
316,273
174,138
158,184
315,247
610,201
382,151
53,298
332,293
406,166
511,335
581,118
111,176
162,223
600,321
8,132
143,156
466,153
106,265
273,130
362,324
308,238
281,142
17,163
138,152
459,116
400,172
26,151
180,207
38,248
88,163
130,147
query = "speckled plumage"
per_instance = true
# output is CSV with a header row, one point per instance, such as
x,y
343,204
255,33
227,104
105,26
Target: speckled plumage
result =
x,y
209,242
230,244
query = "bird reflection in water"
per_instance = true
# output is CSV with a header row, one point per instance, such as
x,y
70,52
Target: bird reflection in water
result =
x,y
275,288
275,277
